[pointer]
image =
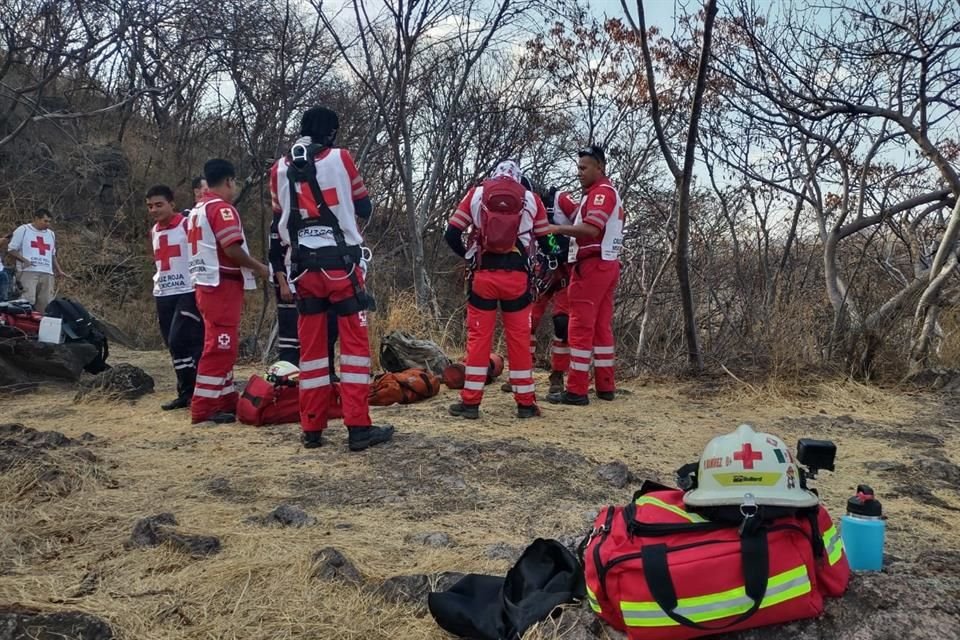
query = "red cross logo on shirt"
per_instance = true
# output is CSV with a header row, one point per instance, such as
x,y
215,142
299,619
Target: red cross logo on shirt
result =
x,y
194,236
40,245
166,251
747,455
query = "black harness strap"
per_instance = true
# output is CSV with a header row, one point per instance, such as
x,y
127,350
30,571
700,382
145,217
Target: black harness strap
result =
x,y
312,306
346,257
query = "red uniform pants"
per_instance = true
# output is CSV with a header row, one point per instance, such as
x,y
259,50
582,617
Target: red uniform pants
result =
x,y
488,287
592,286
560,350
220,307
315,389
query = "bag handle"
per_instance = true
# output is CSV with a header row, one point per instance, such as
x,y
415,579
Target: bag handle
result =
x,y
755,561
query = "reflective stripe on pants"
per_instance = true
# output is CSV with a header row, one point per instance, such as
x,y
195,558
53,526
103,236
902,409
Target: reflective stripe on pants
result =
x,y
316,393
591,291
220,307
498,285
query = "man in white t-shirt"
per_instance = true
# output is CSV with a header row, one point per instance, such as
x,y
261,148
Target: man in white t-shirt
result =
x,y
34,247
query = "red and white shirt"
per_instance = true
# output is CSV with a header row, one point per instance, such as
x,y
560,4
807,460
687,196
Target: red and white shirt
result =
x,y
340,184
171,255
213,225
601,207
37,246
532,225
564,208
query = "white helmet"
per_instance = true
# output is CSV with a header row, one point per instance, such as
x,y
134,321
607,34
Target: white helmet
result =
x,y
282,371
745,462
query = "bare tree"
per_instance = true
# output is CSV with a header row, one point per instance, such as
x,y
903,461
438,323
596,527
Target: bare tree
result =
x,y
682,173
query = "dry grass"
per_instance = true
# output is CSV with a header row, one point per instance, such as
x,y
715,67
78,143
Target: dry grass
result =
x,y
494,480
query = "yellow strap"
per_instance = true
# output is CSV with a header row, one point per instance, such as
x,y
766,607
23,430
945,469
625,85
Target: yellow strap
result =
x,y
656,502
833,543
780,588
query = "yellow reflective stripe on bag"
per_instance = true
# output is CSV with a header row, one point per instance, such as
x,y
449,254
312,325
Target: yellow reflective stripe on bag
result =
x,y
780,588
592,599
692,517
833,544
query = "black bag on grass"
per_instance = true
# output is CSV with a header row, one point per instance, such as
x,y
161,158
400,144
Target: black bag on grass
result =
x,y
79,326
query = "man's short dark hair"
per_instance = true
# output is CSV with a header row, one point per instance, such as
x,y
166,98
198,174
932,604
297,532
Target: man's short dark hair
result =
x,y
160,190
594,151
42,213
321,124
217,171
197,182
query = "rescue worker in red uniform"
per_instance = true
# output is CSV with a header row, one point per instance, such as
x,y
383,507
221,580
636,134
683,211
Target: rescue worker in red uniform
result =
x,y
596,238
321,195
499,279
551,275
180,323
221,268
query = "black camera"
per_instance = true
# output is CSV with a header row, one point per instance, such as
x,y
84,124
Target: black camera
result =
x,y
816,455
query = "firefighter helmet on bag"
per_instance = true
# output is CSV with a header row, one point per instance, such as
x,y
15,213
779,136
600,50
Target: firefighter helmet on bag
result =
x,y
745,462
282,371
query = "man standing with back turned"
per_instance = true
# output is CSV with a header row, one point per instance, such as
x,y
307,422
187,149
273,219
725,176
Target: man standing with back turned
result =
x,y
221,268
597,235
321,193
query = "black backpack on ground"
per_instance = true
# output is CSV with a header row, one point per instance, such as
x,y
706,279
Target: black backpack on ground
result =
x,y
80,326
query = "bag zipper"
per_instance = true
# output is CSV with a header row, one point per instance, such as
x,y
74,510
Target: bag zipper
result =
x,y
603,532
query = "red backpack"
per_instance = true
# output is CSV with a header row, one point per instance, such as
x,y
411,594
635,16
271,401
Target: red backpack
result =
x,y
501,210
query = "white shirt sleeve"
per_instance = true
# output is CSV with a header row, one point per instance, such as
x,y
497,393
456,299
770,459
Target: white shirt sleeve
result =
x,y
16,242
53,237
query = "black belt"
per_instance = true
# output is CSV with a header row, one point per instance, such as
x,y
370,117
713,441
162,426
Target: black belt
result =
x,y
503,262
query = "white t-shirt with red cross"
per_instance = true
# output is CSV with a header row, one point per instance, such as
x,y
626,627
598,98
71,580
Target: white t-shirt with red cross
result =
x,y
37,246
172,257
340,184
213,225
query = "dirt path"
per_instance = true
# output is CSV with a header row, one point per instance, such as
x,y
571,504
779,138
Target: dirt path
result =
x,y
491,486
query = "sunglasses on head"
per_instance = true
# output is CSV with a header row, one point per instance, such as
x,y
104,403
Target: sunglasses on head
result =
x,y
594,152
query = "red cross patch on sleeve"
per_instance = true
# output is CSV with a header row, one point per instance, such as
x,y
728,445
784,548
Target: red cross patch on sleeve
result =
x,y
226,214
599,198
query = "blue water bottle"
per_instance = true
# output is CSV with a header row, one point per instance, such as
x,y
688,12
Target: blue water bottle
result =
x,y
863,530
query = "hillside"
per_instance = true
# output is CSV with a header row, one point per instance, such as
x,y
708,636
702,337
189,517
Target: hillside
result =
x,y
489,487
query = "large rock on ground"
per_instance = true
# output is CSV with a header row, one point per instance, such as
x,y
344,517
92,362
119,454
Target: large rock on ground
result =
x,y
21,624
331,564
29,360
123,381
160,529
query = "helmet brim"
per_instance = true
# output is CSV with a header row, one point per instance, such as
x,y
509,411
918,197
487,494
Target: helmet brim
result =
x,y
762,496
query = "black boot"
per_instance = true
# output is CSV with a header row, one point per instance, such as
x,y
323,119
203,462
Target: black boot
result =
x,y
565,397
468,411
606,395
180,402
311,439
362,438
527,411
556,382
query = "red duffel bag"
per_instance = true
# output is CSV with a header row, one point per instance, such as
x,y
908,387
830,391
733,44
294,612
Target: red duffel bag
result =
x,y
263,403
658,572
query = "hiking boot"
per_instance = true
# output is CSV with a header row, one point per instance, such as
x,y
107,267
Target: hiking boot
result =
x,y
468,411
311,439
180,402
565,397
506,387
556,382
528,411
218,418
606,395
362,438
